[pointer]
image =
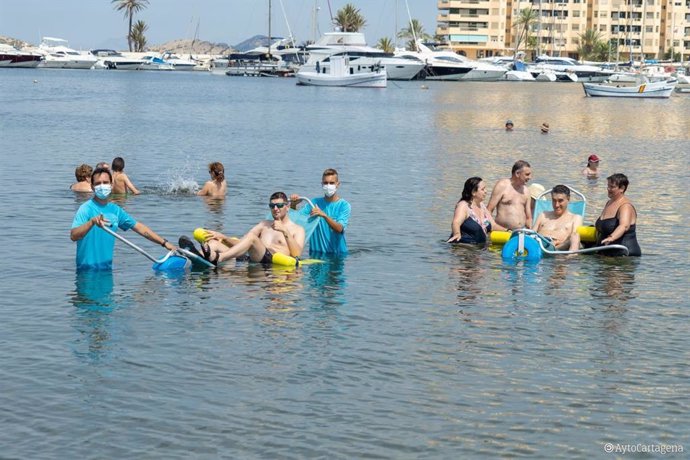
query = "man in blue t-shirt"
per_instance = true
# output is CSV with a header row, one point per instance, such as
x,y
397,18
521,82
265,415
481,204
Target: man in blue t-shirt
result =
x,y
95,246
334,215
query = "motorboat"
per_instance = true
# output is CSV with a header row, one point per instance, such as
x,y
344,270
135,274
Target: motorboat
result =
x,y
517,71
57,55
111,59
179,63
564,67
12,57
354,46
258,63
643,88
154,63
340,72
440,65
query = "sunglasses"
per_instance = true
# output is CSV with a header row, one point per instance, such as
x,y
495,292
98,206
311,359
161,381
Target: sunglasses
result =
x,y
277,205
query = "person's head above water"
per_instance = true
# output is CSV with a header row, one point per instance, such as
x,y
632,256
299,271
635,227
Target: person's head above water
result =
x,y
83,172
544,128
509,125
118,164
217,171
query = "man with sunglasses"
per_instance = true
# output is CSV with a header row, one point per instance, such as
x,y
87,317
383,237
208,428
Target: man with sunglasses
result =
x,y
268,237
333,213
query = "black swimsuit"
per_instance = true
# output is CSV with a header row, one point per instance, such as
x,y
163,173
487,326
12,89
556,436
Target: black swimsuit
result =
x,y
472,232
605,227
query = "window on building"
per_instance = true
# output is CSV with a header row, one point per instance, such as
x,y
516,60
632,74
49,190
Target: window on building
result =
x,y
602,27
576,13
576,26
649,29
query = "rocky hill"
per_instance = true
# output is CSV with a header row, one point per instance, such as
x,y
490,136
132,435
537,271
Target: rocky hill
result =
x,y
200,47
14,42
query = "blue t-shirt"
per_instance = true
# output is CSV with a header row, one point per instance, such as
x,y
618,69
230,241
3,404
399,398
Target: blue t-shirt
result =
x,y
95,250
324,239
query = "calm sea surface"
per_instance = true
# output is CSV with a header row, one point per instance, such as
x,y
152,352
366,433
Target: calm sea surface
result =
x,y
407,348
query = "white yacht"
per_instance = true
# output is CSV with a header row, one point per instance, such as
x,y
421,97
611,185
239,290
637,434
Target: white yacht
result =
x,y
12,57
361,57
448,65
565,67
178,63
58,55
111,59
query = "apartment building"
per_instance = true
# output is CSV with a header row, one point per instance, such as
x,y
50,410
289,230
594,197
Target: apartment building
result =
x,y
649,28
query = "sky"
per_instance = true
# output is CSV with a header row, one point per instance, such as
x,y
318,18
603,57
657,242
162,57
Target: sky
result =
x,y
88,24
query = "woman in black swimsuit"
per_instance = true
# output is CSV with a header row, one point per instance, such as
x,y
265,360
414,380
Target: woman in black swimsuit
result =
x,y
618,220
472,222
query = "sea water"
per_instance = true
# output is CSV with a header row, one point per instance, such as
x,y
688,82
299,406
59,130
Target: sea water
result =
x,y
406,348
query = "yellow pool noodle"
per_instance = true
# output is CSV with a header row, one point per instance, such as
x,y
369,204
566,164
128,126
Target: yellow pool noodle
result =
x,y
499,237
284,260
588,234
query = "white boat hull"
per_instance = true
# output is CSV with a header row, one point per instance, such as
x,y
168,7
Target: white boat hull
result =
x,y
67,63
518,75
484,75
358,80
644,90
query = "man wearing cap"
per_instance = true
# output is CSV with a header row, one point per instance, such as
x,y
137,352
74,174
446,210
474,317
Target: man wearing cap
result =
x,y
560,224
509,125
511,198
592,168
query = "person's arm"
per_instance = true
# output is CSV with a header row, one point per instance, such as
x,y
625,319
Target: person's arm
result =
x,y
537,224
152,236
625,217
333,224
205,190
295,241
459,216
129,185
495,196
77,233
574,235
528,210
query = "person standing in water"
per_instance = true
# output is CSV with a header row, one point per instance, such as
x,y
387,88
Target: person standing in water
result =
x,y
217,187
617,223
511,198
591,171
121,183
333,213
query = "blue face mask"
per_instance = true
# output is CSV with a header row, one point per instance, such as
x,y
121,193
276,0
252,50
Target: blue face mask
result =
x,y
102,191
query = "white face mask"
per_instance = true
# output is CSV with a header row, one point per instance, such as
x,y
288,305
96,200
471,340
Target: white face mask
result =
x,y
102,191
329,189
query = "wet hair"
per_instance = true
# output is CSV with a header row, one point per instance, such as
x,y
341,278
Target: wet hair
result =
x,y
329,172
99,171
83,172
519,165
619,180
562,190
118,164
471,186
103,165
217,169
278,196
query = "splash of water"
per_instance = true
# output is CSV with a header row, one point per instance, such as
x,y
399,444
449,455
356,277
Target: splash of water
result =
x,y
178,181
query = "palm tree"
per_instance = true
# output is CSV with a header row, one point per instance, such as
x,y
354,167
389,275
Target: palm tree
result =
x,y
413,31
523,23
386,44
130,7
137,36
349,19
589,41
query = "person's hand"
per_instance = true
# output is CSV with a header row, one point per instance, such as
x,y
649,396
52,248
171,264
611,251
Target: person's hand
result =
x,y
213,235
100,221
316,211
606,241
294,198
170,247
279,227
454,238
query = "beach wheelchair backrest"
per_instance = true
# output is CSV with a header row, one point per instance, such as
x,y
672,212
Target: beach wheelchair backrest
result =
x,y
542,203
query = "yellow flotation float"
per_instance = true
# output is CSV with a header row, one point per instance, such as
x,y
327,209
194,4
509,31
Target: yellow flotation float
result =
x,y
588,234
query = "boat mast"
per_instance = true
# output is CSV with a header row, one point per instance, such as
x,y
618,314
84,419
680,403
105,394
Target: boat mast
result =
x,y
538,32
269,30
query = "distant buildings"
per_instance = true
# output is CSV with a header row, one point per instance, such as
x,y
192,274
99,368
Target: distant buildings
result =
x,y
483,28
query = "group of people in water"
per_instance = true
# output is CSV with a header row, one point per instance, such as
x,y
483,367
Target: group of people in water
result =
x,y
512,202
272,236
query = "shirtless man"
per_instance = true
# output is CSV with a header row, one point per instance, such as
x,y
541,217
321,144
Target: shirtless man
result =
x,y
511,198
560,224
268,237
121,183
